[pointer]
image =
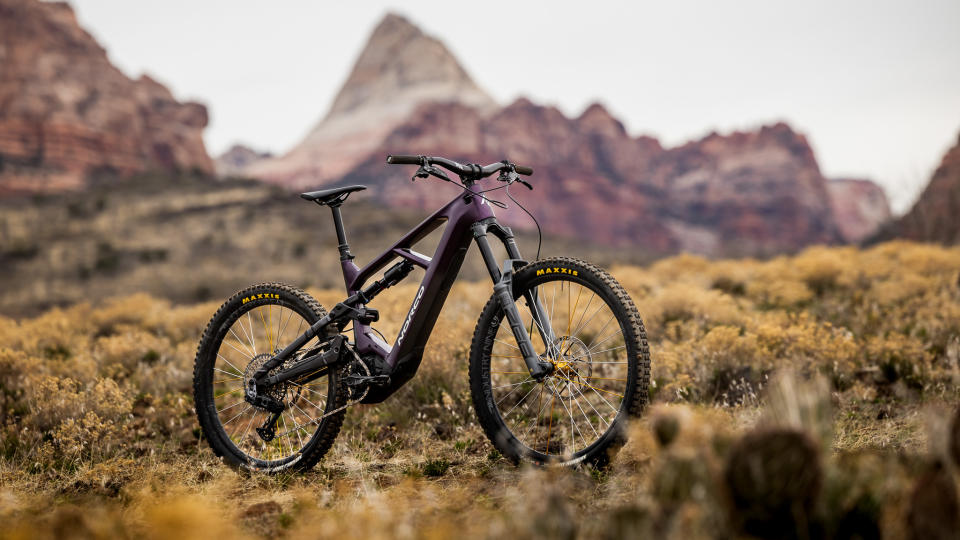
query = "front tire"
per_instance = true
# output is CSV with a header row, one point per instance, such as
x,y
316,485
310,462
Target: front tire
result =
x,y
578,414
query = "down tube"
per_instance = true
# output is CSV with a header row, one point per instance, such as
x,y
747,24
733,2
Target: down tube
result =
x,y
407,352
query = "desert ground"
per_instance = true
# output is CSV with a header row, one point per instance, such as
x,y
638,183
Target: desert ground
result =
x,y
833,371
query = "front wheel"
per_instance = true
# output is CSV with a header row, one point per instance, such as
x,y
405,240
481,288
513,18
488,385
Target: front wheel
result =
x,y
601,366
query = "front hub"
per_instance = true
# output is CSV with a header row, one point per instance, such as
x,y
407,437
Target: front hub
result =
x,y
572,366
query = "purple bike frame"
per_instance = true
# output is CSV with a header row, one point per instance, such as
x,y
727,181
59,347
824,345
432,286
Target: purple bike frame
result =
x,y
468,216
405,355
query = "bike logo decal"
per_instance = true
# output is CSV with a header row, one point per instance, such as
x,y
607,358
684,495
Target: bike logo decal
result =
x,y
413,309
557,270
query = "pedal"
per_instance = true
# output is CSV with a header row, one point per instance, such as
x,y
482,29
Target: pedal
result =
x,y
354,381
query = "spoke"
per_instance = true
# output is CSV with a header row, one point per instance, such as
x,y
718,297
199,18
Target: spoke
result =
x,y
240,341
290,316
308,389
231,406
312,403
250,340
598,352
507,344
573,423
252,336
592,378
279,324
602,329
593,363
589,422
228,393
576,329
509,385
536,419
234,348
228,380
595,388
604,340
297,431
237,416
238,372
518,403
289,442
305,413
505,396
585,398
553,402
246,430
512,372
266,330
505,356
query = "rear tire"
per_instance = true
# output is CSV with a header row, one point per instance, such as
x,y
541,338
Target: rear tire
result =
x,y
586,427
230,349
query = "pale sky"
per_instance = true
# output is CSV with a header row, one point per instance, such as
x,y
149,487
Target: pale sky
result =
x,y
875,85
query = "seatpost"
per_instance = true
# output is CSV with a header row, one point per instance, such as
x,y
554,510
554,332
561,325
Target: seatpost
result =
x,y
344,248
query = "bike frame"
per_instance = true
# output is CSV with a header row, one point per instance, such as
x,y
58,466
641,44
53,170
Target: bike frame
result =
x,y
467,217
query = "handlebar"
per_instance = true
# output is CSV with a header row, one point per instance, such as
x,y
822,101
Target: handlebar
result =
x,y
467,171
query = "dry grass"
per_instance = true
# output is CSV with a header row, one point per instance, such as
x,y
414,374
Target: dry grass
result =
x,y
854,353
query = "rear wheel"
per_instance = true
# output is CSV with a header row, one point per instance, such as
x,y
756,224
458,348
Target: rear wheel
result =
x,y
246,331
601,367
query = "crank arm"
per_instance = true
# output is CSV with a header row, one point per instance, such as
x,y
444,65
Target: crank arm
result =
x,y
504,292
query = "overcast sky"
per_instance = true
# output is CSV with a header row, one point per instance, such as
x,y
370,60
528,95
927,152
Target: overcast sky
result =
x,y
875,85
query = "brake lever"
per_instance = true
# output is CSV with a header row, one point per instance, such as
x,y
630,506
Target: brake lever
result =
x,y
426,170
511,176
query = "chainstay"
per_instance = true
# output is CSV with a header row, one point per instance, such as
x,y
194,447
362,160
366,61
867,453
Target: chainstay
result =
x,y
338,409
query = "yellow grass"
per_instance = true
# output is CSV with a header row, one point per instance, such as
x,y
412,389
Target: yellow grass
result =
x,y
99,437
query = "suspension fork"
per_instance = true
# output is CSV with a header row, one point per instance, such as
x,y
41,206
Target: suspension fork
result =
x,y
503,289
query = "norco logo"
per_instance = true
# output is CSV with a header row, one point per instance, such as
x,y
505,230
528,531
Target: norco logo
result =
x,y
259,296
413,308
557,270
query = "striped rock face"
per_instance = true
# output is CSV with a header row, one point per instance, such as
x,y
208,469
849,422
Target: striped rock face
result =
x,y
66,111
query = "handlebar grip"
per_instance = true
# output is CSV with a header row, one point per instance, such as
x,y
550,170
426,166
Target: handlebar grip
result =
x,y
526,171
403,160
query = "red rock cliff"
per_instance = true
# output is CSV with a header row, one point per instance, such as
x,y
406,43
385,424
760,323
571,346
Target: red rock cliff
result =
x,y
66,111
935,217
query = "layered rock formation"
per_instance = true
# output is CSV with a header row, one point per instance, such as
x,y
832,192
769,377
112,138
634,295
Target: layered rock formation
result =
x,y
65,111
754,192
399,69
935,217
744,193
860,207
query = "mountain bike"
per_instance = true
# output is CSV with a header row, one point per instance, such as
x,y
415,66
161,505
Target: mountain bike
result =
x,y
558,364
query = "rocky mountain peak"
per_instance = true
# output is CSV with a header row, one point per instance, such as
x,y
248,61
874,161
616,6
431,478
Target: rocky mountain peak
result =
x,y
597,119
401,63
399,69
